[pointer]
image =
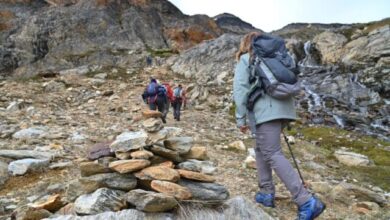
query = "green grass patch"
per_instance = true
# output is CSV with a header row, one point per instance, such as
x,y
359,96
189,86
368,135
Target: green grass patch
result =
x,y
161,52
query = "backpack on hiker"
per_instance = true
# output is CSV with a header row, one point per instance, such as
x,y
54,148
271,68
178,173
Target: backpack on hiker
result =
x,y
152,89
161,90
272,70
177,93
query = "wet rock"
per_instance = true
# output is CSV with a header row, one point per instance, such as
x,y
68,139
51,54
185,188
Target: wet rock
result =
x,y
343,191
351,159
96,167
205,191
117,181
29,133
141,154
166,153
30,213
127,166
152,125
182,145
171,189
3,173
205,167
51,203
150,201
100,150
237,145
158,173
196,152
196,176
129,141
21,167
102,200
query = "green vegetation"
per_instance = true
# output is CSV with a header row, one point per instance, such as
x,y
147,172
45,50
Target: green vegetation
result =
x,y
161,52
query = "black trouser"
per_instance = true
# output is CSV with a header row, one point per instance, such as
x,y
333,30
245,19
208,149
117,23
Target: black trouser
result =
x,y
161,104
176,109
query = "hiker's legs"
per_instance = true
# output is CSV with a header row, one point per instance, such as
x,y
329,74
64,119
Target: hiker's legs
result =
x,y
152,106
268,139
161,107
264,172
178,108
174,104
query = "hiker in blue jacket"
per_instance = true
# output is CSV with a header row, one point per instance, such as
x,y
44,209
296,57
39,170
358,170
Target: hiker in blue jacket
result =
x,y
155,95
267,120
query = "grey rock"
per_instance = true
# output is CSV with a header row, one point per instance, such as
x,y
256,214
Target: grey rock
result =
x,y
21,167
152,125
129,141
150,201
29,133
206,191
343,191
95,167
13,106
241,208
351,159
206,167
61,165
164,152
180,144
102,200
126,214
3,173
53,86
21,154
117,181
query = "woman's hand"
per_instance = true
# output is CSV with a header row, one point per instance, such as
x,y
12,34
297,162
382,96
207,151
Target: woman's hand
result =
x,y
244,128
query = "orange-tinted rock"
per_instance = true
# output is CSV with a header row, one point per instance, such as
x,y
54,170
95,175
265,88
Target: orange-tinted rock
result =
x,y
52,203
196,176
141,154
128,166
197,152
158,173
171,189
169,164
151,114
67,210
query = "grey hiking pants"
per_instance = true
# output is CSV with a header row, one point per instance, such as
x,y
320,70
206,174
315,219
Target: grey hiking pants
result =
x,y
269,156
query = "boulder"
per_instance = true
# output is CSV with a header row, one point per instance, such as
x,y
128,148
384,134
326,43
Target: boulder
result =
x,y
166,153
3,173
141,154
51,203
205,191
21,154
171,189
102,200
150,201
351,159
196,152
99,150
128,141
182,145
117,181
205,167
330,46
158,173
152,125
21,167
237,145
196,176
128,166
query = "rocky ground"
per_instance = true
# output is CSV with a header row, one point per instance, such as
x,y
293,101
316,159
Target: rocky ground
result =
x,y
67,114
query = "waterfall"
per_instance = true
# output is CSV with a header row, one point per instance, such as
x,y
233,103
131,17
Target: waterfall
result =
x,y
308,61
339,121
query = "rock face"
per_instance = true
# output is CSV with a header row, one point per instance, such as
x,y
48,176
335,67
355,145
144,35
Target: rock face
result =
x,y
101,200
232,24
39,38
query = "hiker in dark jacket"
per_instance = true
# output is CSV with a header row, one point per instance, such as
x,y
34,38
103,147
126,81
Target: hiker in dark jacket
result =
x,y
178,100
267,120
155,96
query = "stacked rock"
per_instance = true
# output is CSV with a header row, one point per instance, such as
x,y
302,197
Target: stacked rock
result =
x,y
152,170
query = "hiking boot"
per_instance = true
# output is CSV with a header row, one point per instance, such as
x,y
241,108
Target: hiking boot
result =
x,y
266,199
311,209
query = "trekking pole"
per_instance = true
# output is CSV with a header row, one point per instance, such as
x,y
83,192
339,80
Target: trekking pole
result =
x,y
295,162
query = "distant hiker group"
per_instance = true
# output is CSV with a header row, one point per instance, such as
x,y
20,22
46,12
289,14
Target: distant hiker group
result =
x,y
161,96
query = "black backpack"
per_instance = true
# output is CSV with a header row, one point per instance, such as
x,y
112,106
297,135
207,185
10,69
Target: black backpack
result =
x,y
272,70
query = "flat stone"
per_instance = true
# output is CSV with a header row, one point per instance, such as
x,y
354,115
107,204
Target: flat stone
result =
x,y
196,176
22,154
117,181
182,145
166,153
152,125
101,200
51,203
128,141
205,167
127,166
151,114
351,159
169,164
151,201
196,152
99,150
171,189
21,167
30,133
163,134
158,173
205,191
30,213
122,155
141,154
95,167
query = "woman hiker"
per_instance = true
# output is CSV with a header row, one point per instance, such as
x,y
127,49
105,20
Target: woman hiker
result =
x,y
268,120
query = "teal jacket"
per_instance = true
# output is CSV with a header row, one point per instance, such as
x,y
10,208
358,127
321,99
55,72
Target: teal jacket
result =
x,y
266,108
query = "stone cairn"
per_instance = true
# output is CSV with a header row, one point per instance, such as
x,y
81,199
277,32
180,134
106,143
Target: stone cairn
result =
x,y
151,170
